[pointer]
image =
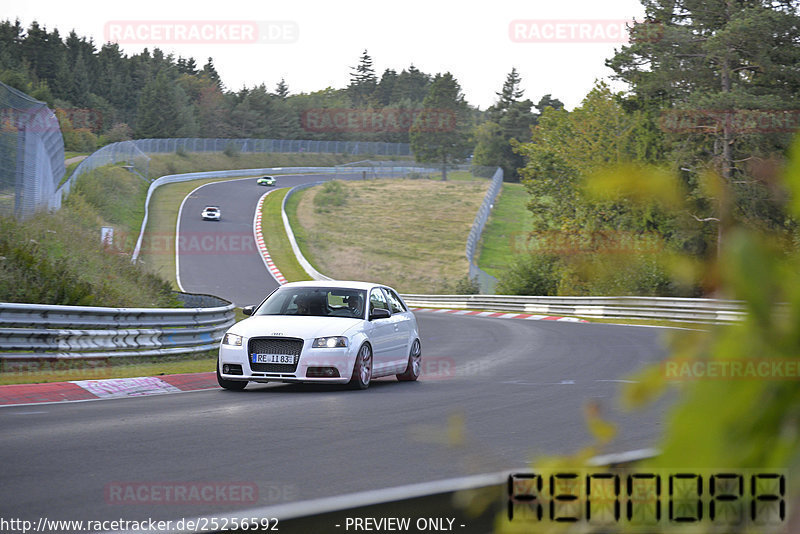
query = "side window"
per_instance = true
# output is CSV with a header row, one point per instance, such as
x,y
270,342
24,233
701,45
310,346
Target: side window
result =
x,y
377,300
395,304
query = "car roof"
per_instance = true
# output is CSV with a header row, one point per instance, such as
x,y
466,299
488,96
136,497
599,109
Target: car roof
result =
x,y
350,284
211,207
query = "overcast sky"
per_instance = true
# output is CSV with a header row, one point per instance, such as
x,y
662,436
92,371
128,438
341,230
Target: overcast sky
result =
x,y
313,44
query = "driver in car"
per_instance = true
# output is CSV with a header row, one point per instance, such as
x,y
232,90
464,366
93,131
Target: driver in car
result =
x,y
355,305
303,305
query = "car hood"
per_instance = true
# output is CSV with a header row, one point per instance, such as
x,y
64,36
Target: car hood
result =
x,y
303,327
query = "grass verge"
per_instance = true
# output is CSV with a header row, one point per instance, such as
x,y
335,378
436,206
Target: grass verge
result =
x,y
199,363
406,233
505,234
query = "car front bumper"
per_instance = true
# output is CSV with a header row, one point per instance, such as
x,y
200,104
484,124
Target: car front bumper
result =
x,y
341,359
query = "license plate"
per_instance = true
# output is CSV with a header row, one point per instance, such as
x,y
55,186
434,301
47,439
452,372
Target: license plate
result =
x,y
272,358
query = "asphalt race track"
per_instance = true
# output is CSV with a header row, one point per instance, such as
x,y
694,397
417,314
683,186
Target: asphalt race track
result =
x,y
220,257
495,393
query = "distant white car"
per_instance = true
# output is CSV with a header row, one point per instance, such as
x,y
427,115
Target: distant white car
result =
x,y
322,332
211,213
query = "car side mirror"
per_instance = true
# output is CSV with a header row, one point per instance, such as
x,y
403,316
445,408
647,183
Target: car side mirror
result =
x,y
248,310
379,313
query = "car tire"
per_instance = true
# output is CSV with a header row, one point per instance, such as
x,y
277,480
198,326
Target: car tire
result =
x,y
414,366
362,369
232,385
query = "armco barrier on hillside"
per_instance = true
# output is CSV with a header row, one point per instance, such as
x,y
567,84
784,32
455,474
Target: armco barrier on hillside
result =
x,y
31,331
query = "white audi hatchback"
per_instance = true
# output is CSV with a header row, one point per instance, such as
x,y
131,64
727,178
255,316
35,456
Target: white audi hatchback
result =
x,y
324,332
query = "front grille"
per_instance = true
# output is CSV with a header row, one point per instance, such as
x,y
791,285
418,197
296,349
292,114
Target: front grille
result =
x,y
274,345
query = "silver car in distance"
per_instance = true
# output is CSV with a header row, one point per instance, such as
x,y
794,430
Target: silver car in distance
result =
x,y
323,332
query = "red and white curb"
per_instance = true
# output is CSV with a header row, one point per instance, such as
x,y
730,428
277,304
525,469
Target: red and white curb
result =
x,y
503,315
111,388
262,247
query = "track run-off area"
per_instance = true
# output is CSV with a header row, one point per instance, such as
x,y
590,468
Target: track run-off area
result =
x,y
494,395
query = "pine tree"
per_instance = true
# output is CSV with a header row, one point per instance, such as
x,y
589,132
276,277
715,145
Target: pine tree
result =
x,y
412,84
385,88
439,133
282,90
211,72
158,113
362,81
511,91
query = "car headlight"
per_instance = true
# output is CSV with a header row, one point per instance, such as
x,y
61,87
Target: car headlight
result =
x,y
329,342
232,339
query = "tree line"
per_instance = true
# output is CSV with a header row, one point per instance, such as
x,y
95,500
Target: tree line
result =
x,y
107,93
702,131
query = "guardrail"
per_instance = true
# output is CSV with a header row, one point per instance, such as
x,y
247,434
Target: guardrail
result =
x,y
657,308
301,259
30,331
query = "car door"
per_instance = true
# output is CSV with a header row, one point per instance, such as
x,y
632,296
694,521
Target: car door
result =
x,y
381,333
401,319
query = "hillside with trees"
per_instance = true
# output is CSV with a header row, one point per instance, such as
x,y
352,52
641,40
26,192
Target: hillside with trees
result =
x,y
106,95
703,129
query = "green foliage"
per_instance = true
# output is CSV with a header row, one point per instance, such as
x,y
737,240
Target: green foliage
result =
x,y
163,109
723,58
510,118
433,140
362,82
464,286
58,258
231,150
759,414
331,195
119,132
531,274
116,194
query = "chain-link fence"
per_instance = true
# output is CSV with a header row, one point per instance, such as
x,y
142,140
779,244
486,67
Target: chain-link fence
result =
x,y
124,152
160,146
486,282
31,154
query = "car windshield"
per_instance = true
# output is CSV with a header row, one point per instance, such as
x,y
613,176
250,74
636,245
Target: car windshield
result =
x,y
315,301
